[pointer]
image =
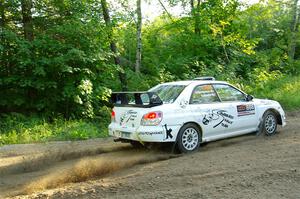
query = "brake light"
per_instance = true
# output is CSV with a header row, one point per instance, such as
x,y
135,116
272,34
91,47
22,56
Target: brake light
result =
x,y
113,116
151,115
152,118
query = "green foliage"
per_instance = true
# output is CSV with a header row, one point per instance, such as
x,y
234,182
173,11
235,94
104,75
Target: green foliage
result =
x,y
67,70
284,89
68,67
59,71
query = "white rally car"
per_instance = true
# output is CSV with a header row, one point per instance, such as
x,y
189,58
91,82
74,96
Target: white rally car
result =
x,y
191,112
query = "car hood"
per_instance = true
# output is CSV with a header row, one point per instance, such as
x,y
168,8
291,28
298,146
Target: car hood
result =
x,y
266,101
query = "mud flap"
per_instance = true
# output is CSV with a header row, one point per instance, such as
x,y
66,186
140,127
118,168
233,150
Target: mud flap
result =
x,y
139,139
174,146
260,127
175,143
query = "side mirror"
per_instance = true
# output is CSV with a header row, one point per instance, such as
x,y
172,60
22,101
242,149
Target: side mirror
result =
x,y
249,98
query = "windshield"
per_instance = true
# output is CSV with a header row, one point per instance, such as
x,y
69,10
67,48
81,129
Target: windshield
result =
x,y
168,93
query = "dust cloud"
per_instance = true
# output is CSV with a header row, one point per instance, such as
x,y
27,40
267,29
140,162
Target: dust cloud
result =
x,y
35,162
91,167
39,167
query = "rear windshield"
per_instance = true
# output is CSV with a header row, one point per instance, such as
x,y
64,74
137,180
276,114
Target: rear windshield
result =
x,y
168,93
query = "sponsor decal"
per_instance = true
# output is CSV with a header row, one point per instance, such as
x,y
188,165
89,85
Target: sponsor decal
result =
x,y
154,97
218,118
128,116
151,133
168,132
245,109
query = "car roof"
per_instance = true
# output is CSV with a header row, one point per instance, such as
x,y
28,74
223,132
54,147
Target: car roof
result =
x,y
194,82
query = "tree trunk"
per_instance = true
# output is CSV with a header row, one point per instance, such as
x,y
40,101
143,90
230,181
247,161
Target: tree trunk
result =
x,y
113,46
27,19
192,7
195,12
294,30
197,18
138,37
2,38
165,9
2,15
224,48
26,6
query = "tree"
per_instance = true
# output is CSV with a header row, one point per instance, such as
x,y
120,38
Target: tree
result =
x,y
294,29
195,11
2,15
64,57
138,37
165,9
27,19
113,46
2,26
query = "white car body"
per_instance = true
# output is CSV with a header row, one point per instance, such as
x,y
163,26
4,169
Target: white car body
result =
x,y
217,120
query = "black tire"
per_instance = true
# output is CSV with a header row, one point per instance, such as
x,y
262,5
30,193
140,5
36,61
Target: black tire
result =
x,y
269,123
188,139
136,144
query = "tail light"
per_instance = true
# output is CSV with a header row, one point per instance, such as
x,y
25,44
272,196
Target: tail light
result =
x,y
152,118
113,116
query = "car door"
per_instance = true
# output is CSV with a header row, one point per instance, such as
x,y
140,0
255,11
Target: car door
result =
x,y
214,117
244,112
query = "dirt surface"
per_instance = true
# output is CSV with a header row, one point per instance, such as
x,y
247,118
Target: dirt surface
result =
x,y
248,166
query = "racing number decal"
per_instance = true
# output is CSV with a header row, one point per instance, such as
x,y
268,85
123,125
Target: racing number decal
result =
x,y
218,118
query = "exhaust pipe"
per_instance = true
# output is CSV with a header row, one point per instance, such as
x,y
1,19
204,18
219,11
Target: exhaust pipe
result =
x,y
121,140
117,140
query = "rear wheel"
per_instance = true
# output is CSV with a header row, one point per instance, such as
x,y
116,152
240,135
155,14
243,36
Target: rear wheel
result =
x,y
188,139
269,123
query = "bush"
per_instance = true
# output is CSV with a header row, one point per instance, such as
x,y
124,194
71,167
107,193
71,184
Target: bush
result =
x,y
284,89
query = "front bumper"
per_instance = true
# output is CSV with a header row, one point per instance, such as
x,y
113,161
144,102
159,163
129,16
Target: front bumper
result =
x,y
283,119
144,133
282,115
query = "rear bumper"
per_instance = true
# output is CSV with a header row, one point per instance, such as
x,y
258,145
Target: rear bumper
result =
x,y
144,133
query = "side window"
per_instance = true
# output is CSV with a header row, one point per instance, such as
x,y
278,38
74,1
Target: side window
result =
x,y
204,94
228,93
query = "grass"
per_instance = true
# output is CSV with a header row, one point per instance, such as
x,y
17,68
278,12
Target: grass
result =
x,y
16,128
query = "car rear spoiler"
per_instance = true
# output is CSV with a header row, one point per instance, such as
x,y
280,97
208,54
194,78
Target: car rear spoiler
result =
x,y
135,99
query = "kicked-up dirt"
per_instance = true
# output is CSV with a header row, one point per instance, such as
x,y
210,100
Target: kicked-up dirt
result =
x,y
250,166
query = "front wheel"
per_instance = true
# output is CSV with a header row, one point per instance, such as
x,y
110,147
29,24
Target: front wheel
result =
x,y
188,139
269,123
